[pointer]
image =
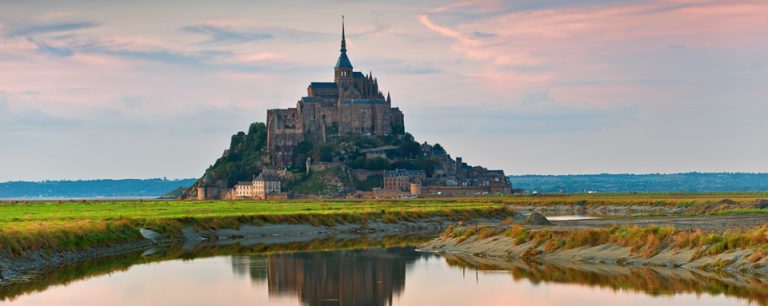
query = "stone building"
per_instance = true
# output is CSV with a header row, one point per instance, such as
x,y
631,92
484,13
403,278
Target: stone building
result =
x,y
401,179
261,187
350,105
265,184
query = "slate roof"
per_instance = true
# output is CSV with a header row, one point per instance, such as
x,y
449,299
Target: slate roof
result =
x,y
323,85
364,101
265,176
343,61
403,173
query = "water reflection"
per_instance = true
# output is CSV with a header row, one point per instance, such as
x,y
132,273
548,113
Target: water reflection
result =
x,y
354,277
650,280
373,276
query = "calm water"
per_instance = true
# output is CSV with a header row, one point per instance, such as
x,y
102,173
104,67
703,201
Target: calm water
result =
x,y
394,276
570,218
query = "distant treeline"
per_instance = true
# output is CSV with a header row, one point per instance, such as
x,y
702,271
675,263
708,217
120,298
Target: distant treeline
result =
x,y
92,188
608,183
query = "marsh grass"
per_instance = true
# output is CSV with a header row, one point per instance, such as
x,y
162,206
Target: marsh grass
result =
x,y
646,241
64,226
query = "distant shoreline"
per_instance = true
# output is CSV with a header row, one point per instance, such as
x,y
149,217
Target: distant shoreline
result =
x,y
130,189
118,198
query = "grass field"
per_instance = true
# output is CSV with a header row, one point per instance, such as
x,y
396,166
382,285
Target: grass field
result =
x,y
21,216
35,225
68,225
668,199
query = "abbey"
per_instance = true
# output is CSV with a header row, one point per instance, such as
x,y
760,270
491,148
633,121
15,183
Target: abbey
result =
x,y
343,139
350,105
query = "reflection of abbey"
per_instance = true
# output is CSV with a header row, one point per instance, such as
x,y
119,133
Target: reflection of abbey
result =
x,y
350,105
371,277
343,139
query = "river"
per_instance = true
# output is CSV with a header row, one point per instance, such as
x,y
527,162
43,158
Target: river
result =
x,y
372,276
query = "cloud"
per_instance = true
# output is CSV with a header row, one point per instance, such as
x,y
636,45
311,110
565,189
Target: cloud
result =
x,y
226,34
24,118
479,34
413,69
48,49
52,28
57,14
550,43
538,117
238,33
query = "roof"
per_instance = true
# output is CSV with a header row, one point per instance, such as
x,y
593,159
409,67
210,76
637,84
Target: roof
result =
x,y
267,176
343,61
358,75
364,101
323,85
403,173
310,99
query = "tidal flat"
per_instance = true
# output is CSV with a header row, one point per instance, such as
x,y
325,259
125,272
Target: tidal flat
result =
x,y
722,233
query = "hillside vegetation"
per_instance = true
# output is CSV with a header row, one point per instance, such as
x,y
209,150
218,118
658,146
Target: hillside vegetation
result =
x,y
247,155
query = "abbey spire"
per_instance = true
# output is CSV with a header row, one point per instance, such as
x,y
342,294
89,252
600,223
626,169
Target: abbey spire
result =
x,y
343,68
343,37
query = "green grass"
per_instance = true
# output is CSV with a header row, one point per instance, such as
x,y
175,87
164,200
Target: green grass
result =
x,y
32,226
75,224
626,199
741,211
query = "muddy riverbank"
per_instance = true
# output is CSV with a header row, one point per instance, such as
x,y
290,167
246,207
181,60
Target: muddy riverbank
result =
x,y
726,243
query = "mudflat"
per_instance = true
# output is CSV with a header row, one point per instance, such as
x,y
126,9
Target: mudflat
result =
x,y
707,223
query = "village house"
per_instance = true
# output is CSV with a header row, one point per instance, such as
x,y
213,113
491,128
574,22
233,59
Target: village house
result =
x,y
267,183
401,179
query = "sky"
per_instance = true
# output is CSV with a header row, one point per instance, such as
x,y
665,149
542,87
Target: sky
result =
x,y
141,89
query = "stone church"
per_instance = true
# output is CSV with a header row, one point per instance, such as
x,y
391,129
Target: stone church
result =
x,y
350,105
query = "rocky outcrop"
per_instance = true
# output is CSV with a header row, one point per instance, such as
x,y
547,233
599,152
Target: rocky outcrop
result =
x,y
536,218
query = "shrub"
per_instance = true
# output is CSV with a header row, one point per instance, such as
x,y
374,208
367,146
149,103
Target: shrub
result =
x,y
486,232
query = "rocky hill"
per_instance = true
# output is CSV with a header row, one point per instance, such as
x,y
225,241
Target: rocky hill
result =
x,y
344,166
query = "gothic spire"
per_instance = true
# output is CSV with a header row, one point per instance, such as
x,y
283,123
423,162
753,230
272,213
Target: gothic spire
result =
x,y
343,37
343,61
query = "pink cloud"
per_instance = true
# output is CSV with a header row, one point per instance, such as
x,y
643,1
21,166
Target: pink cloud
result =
x,y
258,57
573,42
57,14
16,45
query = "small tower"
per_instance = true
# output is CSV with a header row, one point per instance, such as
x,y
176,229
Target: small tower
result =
x,y
343,69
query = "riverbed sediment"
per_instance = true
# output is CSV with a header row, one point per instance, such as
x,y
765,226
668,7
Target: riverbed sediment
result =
x,y
732,243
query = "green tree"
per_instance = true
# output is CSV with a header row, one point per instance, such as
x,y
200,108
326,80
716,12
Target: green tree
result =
x,y
438,149
323,152
409,147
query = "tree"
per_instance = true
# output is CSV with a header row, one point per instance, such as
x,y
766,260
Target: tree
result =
x,y
376,163
409,147
323,152
428,166
303,147
438,149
